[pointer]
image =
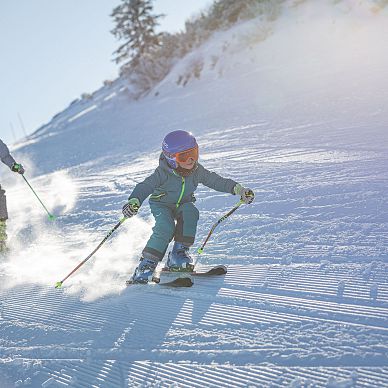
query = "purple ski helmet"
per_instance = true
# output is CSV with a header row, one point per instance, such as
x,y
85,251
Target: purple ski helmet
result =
x,y
176,142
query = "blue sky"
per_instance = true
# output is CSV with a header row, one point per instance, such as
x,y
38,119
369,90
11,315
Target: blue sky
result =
x,y
54,50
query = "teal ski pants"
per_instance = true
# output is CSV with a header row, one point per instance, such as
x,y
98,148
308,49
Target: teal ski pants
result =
x,y
171,222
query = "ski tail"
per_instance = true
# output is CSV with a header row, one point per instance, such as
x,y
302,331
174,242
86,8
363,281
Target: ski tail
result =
x,y
176,283
215,271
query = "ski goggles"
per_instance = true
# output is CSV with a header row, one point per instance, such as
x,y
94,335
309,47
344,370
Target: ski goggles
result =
x,y
184,156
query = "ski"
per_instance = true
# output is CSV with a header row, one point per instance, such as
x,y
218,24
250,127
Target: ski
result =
x,y
184,281
178,282
215,271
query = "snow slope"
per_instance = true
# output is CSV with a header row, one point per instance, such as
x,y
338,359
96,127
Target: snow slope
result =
x,y
295,108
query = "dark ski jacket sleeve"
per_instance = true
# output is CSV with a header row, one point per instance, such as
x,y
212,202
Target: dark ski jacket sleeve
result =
x,y
5,156
215,181
143,189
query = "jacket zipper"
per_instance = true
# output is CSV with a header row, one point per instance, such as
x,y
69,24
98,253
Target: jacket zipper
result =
x,y
182,191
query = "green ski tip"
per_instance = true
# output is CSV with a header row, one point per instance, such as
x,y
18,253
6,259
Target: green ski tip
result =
x,y
58,284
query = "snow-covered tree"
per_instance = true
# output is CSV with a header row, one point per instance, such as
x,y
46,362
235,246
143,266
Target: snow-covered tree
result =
x,y
135,27
226,12
146,57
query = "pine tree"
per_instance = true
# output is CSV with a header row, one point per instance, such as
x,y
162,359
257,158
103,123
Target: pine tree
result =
x,y
135,25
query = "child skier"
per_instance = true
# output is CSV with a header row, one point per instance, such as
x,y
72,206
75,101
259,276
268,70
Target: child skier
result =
x,y
172,186
8,160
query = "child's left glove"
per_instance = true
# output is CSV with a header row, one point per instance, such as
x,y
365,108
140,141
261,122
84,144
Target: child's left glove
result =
x,y
131,208
247,195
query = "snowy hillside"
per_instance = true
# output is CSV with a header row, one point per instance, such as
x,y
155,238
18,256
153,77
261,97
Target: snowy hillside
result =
x,y
296,109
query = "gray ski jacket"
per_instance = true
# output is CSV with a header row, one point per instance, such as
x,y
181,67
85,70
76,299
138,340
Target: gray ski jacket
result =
x,y
5,156
166,186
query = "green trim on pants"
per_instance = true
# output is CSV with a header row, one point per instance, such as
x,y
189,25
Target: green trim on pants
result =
x,y
3,232
186,217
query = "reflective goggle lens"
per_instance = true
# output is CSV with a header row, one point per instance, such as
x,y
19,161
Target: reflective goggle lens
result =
x,y
185,155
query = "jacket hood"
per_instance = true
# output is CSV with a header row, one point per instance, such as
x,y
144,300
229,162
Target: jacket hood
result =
x,y
163,163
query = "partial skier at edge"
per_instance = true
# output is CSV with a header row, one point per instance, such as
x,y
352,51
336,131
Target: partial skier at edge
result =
x,y
9,161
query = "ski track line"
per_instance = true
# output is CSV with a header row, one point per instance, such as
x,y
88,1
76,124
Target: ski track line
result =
x,y
303,288
311,308
194,375
140,372
78,316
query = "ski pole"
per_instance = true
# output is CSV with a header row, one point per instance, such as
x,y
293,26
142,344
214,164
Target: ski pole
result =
x,y
59,284
224,217
50,216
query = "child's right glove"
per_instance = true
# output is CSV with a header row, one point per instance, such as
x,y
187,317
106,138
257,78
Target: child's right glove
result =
x,y
247,195
131,207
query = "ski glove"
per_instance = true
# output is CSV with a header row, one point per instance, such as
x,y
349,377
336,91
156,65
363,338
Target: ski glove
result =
x,y
131,207
17,167
247,195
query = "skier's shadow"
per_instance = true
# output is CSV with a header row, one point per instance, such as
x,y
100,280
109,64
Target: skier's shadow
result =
x,y
144,325
166,307
157,311
155,314
207,289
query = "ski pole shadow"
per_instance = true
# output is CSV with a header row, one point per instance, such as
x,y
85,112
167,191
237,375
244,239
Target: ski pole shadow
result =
x,y
206,291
